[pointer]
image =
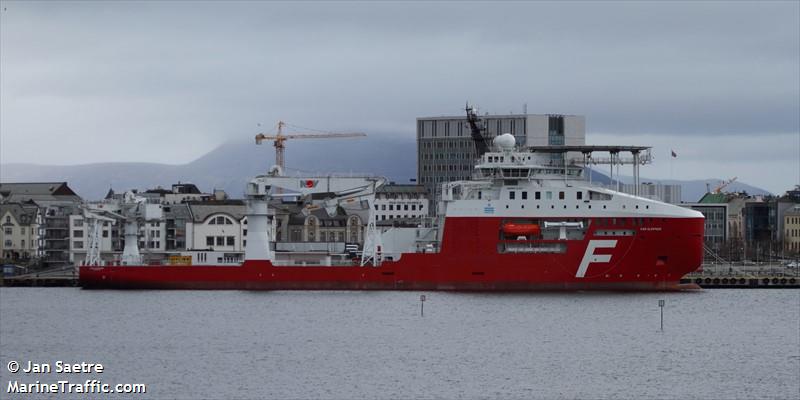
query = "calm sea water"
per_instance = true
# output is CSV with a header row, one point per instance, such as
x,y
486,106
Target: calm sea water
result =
x,y
722,344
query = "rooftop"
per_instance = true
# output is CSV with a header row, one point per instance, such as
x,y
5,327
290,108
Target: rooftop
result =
x,y
714,198
23,214
37,191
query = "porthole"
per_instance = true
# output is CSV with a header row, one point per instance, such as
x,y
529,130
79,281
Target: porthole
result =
x,y
637,206
552,206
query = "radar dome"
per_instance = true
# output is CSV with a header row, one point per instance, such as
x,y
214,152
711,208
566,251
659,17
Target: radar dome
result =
x,y
505,141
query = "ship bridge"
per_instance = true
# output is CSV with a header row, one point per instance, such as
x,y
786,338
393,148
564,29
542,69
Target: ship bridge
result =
x,y
521,165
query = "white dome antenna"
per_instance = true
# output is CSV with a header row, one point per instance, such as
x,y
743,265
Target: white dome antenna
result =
x,y
505,142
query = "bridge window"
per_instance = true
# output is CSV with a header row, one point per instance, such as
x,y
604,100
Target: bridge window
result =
x,y
548,195
579,195
537,195
598,196
561,195
524,195
512,195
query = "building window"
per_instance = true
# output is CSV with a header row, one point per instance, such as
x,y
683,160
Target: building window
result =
x,y
78,244
8,219
220,220
22,230
229,241
220,241
8,231
105,234
77,233
209,240
22,243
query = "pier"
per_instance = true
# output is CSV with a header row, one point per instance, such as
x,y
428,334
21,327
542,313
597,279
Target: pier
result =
x,y
55,277
745,276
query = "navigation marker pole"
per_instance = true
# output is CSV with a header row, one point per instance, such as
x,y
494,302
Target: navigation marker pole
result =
x,y
661,306
422,305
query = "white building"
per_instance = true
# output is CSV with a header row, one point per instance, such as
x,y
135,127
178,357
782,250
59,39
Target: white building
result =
x,y
56,201
19,237
666,193
217,226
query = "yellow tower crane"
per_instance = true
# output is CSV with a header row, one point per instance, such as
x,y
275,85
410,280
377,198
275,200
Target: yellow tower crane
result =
x,y
724,184
279,139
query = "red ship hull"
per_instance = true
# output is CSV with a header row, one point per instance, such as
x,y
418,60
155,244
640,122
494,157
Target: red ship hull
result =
x,y
655,257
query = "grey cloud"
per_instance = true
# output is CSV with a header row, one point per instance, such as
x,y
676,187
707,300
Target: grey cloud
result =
x,y
186,75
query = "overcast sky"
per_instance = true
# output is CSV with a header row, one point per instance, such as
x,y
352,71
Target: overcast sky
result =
x,y
718,82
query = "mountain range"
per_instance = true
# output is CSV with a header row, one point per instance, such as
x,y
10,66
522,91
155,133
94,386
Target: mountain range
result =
x,y
231,165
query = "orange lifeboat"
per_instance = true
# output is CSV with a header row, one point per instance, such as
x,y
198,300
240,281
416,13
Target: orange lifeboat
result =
x,y
521,229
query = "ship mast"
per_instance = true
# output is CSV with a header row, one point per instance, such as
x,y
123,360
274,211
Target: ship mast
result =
x,y
476,131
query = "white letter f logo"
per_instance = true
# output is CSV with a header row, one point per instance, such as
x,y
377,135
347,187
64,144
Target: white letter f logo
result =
x,y
590,257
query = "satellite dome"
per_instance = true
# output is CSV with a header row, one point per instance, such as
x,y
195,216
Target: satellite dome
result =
x,y
505,141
